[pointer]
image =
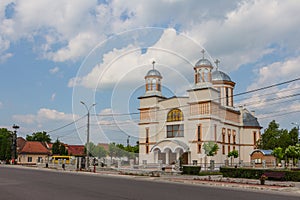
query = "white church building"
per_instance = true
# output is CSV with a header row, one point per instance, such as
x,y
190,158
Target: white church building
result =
x,y
177,128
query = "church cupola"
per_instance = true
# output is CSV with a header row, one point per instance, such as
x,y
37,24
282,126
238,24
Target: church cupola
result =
x,y
203,69
153,82
223,83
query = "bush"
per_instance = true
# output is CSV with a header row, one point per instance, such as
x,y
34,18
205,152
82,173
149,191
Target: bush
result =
x,y
209,173
257,173
191,169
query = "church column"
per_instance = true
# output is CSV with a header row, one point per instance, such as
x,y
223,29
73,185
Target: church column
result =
x,y
167,157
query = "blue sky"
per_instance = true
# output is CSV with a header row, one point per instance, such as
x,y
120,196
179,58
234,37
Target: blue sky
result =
x,y
55,54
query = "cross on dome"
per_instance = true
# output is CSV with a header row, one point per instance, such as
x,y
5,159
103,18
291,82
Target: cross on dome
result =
x,y
217,64
153,62
203,52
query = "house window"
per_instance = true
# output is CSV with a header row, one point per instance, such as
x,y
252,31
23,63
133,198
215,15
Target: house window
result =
x,y
234,136
257,161
175,131
199,132
223,140
223,135
147,148
147,135
40,159
199,148
29,159
175,115
229,139
254,137
223,149
227,96
215,132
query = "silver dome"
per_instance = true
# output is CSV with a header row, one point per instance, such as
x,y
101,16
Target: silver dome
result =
x,y
220,76
154,72
203,62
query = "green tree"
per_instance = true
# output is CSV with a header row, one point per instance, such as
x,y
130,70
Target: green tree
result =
x,y
270,137
101,152
112,150
62,150
97,151
278,153
210,148
293,152
39,136
233,154
5,144
58,148
294,136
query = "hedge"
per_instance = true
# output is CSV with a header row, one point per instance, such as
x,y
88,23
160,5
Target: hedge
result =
x,y
256,173
191,169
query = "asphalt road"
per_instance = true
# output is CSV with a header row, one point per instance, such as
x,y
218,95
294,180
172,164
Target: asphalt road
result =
x,y
23,184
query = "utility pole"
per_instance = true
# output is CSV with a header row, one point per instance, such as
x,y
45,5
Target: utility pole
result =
x,y
88,135
14,144
298,136
128,140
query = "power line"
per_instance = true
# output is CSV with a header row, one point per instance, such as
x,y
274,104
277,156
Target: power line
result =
x,y
239,94
137,113
65,125
267,87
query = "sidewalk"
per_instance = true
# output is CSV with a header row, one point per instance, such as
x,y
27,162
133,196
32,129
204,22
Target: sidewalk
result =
x,y
214,181
220,181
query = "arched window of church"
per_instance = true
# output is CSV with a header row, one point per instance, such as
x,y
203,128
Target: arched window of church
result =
x,y
175,115
148,87
205,75
154,84
200,76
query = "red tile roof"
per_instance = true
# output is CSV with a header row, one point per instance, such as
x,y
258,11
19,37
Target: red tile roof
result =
x,y
76,150
104,145
20,143
34,147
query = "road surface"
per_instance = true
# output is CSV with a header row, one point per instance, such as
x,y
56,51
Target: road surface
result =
x,y
25,183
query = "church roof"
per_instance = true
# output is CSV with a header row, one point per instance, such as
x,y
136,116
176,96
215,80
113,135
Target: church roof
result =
x,y
203,62
249,120
154,72
220,76
264,152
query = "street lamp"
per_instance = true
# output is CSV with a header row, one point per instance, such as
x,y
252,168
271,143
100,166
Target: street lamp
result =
x,y
14,144
88,134
297,125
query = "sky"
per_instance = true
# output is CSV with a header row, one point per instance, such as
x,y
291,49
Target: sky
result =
x,y
55,54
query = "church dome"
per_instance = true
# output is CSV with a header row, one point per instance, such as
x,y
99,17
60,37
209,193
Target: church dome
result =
x,y
203,62
220,76
154,72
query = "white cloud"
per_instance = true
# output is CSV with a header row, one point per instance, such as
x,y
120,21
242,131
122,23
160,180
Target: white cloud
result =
x,y
248,32
53,96
4,46
54,70
106,111
78,46
243,30
282,70
175,55
1,105
44,115
279,102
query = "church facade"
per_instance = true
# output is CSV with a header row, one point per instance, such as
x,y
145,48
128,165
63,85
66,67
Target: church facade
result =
x,y
176,128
